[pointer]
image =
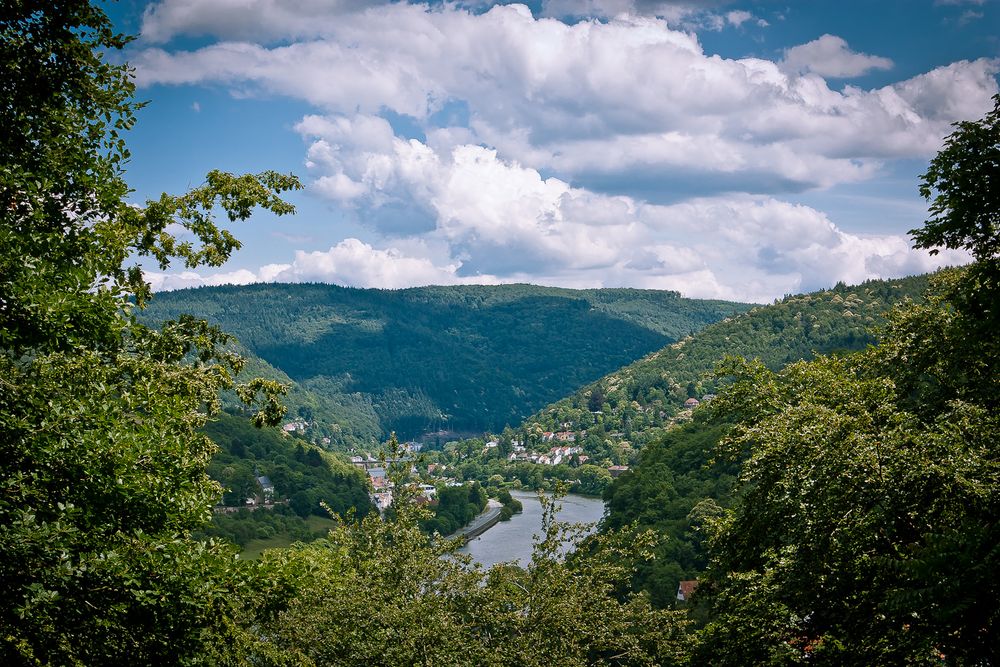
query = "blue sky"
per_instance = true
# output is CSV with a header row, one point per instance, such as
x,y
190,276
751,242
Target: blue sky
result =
x,y
739,150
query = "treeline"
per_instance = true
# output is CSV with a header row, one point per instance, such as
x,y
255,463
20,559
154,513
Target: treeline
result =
x,y
463,357
454,507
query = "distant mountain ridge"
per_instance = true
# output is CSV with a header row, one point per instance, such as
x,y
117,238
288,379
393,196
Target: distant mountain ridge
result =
x,y
363,361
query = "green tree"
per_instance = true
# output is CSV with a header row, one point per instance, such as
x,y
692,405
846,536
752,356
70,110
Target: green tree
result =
x,y
848,505
865,531
386,593
593,479
103,467
962,185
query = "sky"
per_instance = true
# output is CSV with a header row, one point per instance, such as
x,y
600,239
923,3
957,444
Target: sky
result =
x,y
723,149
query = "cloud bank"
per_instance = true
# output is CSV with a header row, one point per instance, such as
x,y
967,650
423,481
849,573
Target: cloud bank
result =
x,y
613,152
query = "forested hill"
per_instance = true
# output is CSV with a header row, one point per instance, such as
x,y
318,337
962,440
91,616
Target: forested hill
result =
x,y
633,405
303,480
466,357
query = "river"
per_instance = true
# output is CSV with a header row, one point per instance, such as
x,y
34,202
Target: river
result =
x,y
512,540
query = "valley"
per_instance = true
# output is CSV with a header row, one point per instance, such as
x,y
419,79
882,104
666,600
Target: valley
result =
x,y
363,363
274,457
627,419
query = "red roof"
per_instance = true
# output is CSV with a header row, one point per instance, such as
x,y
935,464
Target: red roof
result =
x,y
686,589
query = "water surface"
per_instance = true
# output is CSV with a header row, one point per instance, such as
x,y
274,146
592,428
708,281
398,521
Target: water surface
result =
x,y
512,540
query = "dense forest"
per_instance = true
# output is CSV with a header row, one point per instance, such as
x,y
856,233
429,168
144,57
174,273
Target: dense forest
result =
x,y
847,503
676,485
365,362
642,399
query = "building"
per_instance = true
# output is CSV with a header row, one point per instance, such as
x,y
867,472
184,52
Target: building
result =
x,y
378,479
383,500
686,589
617,470
266,489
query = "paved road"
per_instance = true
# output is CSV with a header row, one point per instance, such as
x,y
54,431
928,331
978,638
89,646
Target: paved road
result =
x,y
487,518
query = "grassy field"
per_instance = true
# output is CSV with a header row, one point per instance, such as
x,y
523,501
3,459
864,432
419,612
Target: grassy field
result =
x,y
255,548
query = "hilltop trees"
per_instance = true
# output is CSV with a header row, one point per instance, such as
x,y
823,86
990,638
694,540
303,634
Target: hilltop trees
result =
x,y
103,470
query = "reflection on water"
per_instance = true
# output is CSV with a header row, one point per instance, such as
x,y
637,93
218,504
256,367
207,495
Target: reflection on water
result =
x,y
512,540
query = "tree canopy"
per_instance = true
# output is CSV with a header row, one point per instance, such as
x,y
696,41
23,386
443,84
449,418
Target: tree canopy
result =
x,y
103,467
962,185
865,530
368,362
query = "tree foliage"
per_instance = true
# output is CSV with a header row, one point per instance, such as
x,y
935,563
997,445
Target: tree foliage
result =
x,y
103,467
386,593
454,507
962,185
865,531
307,482
849,501
674,487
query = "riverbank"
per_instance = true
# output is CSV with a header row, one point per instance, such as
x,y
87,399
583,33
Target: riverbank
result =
x,y
489,518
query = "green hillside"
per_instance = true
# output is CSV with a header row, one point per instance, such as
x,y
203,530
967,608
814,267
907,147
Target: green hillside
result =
x,y
303,477
676,483
364,362
632,406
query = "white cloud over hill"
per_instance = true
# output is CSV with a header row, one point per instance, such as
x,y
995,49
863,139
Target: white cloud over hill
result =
x,y
609,152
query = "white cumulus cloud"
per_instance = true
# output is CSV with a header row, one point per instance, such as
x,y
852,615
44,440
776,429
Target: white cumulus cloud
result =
x,y
830,56
585,153
599,103
353,262
491,220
